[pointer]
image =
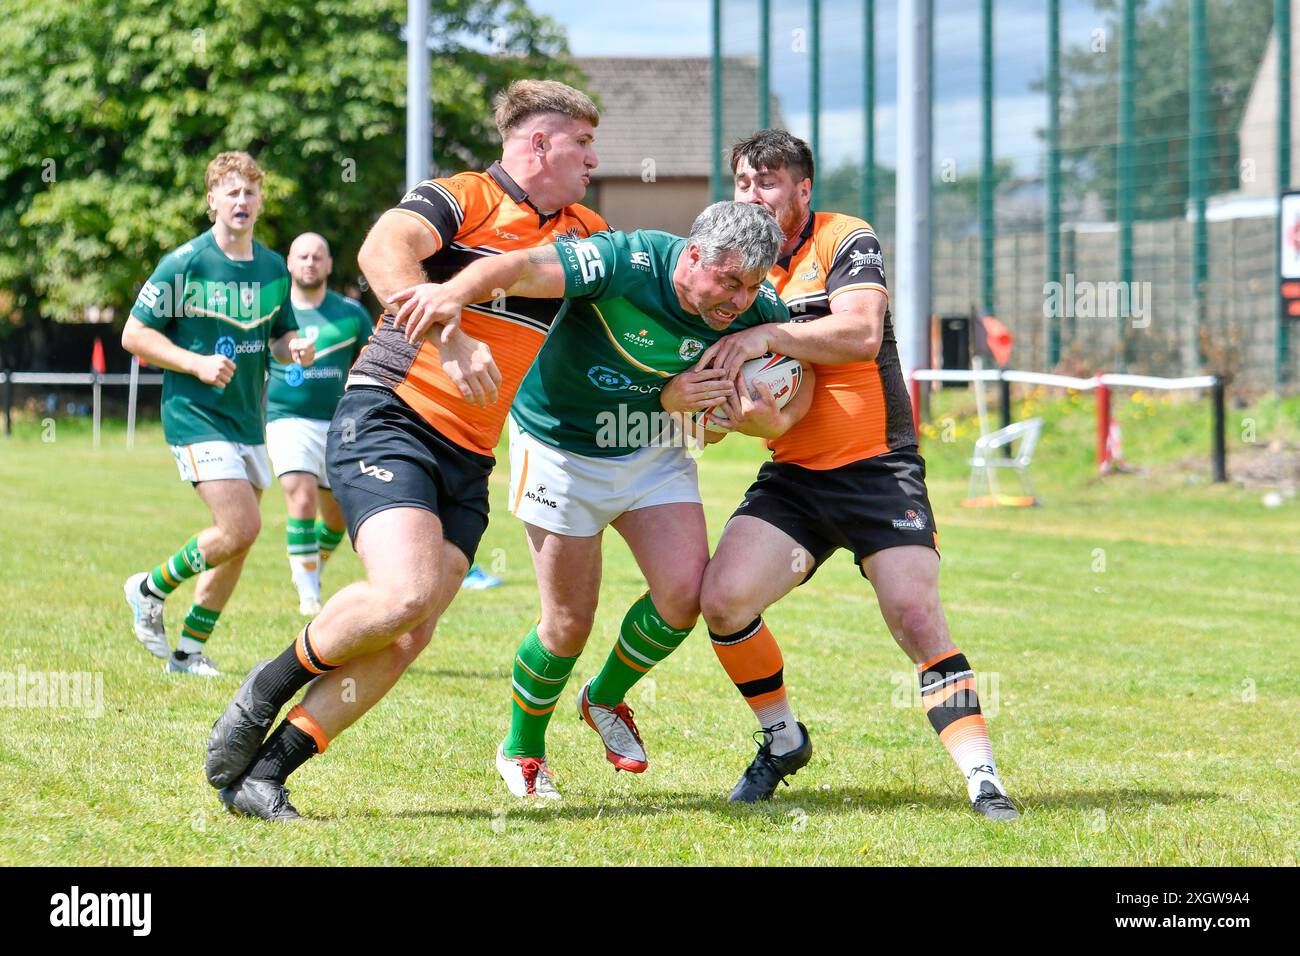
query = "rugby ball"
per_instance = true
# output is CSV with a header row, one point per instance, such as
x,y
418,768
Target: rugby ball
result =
x,y
781,374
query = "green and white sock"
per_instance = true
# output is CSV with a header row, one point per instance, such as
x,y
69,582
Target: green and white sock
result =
x,y
643,641
327,539
196,630
180,567
304,554
537,681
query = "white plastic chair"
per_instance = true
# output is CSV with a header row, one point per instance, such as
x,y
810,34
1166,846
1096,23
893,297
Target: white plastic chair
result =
x,y
988,456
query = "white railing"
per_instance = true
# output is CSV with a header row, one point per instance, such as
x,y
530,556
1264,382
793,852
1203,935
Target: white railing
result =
x,y
133,380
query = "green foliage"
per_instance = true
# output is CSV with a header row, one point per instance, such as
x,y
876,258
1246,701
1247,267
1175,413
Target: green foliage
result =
x,y
110,112
1237,34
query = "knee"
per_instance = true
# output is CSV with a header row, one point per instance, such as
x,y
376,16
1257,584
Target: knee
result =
x,y
407,605
408,647
726,604
241,531
917,619
679,603
568,628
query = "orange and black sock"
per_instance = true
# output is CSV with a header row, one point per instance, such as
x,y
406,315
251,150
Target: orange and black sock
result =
x,y
297,665
952,704
293,743
753,661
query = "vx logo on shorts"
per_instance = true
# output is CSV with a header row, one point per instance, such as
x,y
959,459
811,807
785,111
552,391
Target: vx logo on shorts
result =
x,y
226,347
374,471
608,379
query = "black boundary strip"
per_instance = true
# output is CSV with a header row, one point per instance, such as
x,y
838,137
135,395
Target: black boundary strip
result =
x,y
218,907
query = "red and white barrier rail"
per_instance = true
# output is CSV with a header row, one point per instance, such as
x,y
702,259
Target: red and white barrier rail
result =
x,y
1101,384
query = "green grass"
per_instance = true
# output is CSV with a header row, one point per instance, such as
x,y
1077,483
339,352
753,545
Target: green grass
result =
x,y
1143,714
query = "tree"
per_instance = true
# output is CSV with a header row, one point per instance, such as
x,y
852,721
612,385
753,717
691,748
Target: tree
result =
x,y
1237,33
109,113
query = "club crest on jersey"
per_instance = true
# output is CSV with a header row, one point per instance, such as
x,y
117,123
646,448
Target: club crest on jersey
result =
x,y
571,233
810,275
690,348
861,260
247,295
912,520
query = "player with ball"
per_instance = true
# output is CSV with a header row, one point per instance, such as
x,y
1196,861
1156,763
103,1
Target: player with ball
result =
x,y
846,475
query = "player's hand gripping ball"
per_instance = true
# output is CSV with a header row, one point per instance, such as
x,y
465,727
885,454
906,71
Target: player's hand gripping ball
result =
x,y
781,374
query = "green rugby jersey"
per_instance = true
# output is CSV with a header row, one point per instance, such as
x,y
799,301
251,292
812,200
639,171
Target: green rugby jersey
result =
x,y
340,328
208,303
623,334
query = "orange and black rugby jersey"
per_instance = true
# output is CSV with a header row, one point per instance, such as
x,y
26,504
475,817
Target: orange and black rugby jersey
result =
x,y
858,410
472,215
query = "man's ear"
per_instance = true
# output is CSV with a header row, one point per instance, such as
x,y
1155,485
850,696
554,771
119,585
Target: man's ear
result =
x,y
538,142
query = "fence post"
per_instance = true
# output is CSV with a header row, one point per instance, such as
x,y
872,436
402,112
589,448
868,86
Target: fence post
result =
x,y
1004,406
916,408
97,390
131,401
1103,428
9,402
1220,462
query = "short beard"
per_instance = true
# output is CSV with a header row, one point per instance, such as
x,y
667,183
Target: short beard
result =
x,y
791,220
309,287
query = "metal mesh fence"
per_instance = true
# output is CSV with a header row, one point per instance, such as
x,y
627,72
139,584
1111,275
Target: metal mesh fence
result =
x,y
1141,235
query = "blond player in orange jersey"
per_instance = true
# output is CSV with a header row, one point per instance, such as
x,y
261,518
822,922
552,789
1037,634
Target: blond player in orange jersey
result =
x,y
410,447
848,475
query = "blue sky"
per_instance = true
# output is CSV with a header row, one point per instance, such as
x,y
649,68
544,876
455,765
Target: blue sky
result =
x,y
681,28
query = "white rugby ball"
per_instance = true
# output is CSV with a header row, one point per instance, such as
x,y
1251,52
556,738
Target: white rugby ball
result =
x,y
781,374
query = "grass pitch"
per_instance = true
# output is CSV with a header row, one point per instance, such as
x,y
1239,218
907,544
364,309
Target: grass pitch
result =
x,y
1137,640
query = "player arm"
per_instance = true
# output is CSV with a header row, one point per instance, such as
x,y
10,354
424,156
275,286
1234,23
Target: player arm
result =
x,y
157,349
392,254
851,333
290,348
532,273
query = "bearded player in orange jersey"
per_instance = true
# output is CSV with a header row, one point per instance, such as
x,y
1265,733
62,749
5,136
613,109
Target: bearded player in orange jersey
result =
x,y
847,475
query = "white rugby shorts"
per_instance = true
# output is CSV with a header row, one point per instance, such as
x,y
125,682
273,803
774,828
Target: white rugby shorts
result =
x,y
298,444
214,460
579,495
